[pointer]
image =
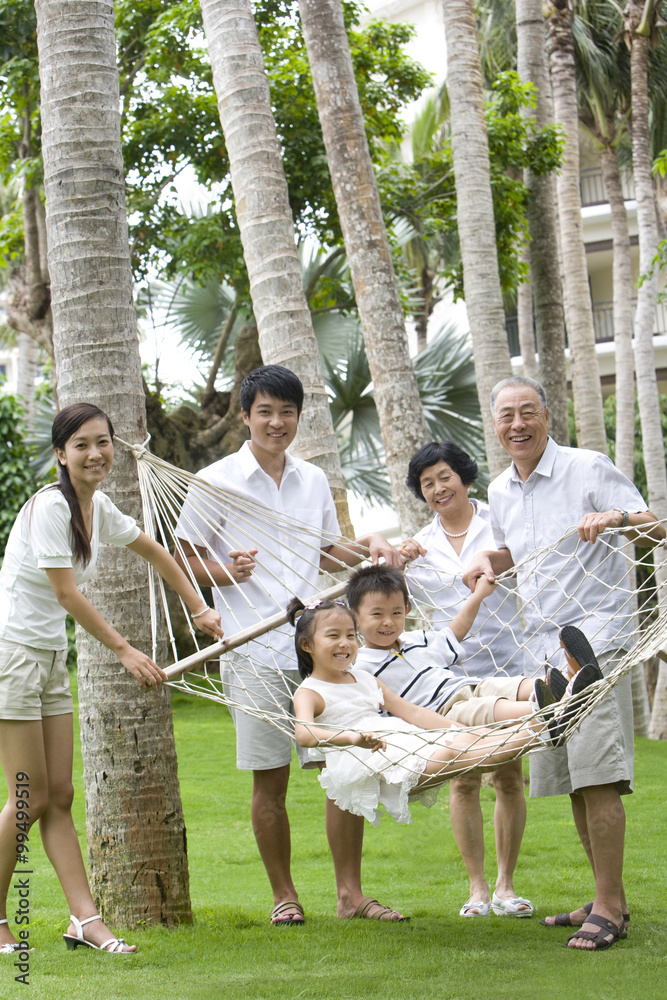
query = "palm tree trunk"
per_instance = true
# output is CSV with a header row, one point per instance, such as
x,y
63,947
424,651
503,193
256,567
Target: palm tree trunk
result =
x,y
622,312
380,311
526,322
639,29
476,224
266,226
543,225
26,374
578,309
135,828
647,386
625,381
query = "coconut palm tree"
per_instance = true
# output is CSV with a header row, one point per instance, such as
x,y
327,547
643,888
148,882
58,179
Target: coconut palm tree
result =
x,y
547,294
380,310
586,388
266,226
476,224
137,857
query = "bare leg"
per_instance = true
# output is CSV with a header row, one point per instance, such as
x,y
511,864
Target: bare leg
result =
x,y
21,751
605,832
270,824
468,829
504,710
44,750
509,821
486,750
345,833
578,916
57,829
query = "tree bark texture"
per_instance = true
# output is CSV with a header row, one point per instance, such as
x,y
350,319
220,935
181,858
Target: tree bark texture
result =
x,y
647,226
136,833
266,226
380,311
622,312
476,223
26,374
586,388
526,322
543,225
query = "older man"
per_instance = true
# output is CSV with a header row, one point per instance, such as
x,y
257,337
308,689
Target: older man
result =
x,y
547,489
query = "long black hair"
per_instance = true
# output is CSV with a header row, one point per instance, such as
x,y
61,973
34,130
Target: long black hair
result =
x,y
303,617
67,423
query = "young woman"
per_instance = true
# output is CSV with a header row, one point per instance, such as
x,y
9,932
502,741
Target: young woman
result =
x,y
52,550
373,760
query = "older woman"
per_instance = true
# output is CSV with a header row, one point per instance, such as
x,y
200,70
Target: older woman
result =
x,y
441,475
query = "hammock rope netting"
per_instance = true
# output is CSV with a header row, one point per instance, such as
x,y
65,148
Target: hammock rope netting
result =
x,y
178,506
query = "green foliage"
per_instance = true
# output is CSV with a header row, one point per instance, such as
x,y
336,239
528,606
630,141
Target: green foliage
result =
x,y
170,121
515,144
16,480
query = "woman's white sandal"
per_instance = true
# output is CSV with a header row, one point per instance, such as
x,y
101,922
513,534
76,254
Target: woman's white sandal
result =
x,y
9,948
114,945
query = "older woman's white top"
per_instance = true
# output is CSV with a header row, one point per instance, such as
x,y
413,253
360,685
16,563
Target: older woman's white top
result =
x,y
435,580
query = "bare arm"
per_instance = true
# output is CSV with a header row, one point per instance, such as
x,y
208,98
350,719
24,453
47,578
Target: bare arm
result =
x,y
648,532
72,600
465,619
172,574
207,571
425,718
308,704
489,564
351,553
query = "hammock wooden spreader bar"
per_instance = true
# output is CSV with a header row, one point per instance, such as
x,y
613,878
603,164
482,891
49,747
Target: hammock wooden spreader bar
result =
x,y
178,668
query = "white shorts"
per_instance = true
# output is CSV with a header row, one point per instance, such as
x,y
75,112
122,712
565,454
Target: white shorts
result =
x,y
267,691
33,682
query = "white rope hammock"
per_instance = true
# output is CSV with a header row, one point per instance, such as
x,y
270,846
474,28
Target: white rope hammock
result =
x,y
178,507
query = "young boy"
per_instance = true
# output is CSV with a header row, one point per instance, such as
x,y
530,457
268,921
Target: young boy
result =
x,y
269,559
424,666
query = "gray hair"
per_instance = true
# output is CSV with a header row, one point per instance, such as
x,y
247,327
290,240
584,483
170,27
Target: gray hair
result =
x,y
518,380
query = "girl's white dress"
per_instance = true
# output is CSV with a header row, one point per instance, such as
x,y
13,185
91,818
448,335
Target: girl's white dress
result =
x,y
359,780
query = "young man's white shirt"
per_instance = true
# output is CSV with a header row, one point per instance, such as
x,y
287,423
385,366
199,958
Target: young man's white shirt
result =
x,y
288,556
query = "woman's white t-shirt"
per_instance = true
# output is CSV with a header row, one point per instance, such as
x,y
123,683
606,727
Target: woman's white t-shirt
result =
x,y
41,539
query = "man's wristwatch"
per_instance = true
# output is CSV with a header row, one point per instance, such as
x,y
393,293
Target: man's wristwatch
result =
x,y
625,516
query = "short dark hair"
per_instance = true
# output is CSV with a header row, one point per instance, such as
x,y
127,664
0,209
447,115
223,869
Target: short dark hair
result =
x,y
304,617
272,380
456,458
385,580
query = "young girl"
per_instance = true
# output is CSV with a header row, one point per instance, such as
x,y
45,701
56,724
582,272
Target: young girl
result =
x,y
384,759
51,550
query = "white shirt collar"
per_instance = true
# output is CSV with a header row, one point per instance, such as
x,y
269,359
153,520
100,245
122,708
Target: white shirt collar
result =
x,y
250,466
545,465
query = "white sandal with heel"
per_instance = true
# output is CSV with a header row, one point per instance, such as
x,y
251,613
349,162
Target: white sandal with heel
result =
x,y
9,948
113,946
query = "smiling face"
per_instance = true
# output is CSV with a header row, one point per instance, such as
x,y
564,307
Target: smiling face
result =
x,y
273,424
88,455
333,644
381,619
444,491
521,424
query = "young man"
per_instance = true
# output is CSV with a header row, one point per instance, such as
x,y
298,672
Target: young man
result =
x,y
263,558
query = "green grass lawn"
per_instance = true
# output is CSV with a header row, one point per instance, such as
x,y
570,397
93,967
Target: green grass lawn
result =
x,y
231,951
